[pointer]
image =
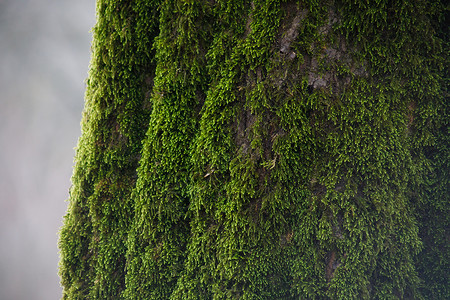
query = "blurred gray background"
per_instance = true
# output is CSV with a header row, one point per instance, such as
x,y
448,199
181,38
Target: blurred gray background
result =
x,y
44,60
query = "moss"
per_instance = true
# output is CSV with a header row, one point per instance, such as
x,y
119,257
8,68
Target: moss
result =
x,y
93,239
159,233
261,150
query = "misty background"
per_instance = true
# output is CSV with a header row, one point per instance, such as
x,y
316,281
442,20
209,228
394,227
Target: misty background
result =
x,y
44,60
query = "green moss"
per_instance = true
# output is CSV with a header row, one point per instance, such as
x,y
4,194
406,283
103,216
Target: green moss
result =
x,y
159,234
93,239
261,150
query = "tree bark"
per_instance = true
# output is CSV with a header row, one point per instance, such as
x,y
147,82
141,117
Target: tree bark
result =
x,y
261,150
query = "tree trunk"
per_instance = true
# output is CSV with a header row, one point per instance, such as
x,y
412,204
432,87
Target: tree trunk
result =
x,y
261,150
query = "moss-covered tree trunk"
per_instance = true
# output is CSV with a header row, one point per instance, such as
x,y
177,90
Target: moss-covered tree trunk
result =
x,y
262,150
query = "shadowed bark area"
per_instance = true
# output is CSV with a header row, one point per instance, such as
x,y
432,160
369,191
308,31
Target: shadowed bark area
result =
x,y
260,150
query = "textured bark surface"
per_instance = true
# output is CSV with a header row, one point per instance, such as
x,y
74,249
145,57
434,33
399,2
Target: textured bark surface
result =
x,y
261,150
